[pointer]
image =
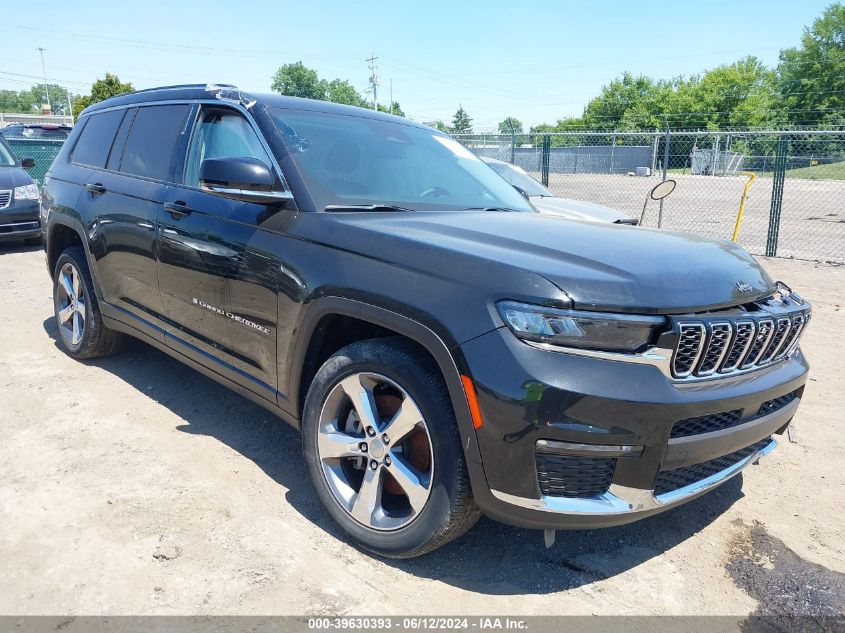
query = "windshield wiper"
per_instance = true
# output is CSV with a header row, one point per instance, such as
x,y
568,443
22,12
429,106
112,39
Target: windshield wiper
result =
x,y
381,208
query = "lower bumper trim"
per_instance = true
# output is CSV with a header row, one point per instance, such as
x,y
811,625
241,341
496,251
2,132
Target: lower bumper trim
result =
x,y
713,480
620,500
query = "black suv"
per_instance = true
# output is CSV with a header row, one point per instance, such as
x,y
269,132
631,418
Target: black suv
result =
x,y
444,349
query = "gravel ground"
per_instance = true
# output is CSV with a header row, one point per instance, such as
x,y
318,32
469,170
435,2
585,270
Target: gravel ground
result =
x,y
134,485
812,224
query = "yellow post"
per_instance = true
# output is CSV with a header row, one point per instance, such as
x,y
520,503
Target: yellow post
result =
x,y
751,178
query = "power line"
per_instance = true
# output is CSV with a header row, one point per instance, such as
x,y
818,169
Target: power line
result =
x,y
158,45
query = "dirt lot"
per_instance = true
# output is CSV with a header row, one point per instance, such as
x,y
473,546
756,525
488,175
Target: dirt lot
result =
x,y
812,224
135,485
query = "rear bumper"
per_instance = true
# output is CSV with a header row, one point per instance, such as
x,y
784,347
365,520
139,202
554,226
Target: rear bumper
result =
x,y
581,408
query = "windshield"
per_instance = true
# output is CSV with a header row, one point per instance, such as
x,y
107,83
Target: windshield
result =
x,y
354,160
7,159
519,177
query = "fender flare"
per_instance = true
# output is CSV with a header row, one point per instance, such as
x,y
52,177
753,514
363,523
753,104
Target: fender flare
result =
x,y
405,326
76,226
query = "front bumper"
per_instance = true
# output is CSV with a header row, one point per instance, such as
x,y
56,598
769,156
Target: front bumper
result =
x,y
20,220
528,395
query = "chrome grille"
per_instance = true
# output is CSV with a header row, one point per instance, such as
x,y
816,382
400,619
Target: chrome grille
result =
x,y
690,344
717,347
728,345
792,338
745,331
783,325
5,198
765,329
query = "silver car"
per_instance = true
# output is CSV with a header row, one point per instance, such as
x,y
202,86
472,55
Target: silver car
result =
x,y
546,202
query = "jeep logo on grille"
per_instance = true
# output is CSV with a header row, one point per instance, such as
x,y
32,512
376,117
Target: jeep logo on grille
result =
x,y
744,287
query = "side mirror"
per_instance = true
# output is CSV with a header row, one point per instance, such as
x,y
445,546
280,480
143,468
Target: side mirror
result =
x,y
28,162
241,178
521,191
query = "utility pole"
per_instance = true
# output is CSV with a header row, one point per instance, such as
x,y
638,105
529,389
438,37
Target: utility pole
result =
x,y
44,71
665,169
374,82
391,96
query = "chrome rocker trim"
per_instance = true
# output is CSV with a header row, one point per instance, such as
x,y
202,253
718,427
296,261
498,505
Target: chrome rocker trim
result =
x,y
623,500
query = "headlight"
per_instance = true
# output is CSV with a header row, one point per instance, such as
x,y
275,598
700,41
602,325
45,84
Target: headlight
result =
x,y
27,192
571,328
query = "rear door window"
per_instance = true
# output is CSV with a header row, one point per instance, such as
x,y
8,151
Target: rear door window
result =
x,y
152,141
120,139
96,140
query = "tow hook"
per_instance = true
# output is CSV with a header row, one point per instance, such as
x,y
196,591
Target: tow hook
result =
x,y
549,538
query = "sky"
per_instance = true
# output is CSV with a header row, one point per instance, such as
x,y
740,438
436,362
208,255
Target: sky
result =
x,y
537,61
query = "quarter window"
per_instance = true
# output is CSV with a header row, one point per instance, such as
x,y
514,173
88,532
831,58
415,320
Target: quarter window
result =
x,y
152,141
221,133
96,139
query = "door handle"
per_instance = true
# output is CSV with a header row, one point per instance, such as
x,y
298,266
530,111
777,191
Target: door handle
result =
x,y
97,188
177,209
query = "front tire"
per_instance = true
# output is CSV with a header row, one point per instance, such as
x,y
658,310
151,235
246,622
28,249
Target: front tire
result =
x,y
383,451
82,333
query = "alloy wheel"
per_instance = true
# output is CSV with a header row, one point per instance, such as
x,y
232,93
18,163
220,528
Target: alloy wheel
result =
x,y
72,305
375,451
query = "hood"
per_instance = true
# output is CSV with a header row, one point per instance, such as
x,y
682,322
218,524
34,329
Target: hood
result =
x,y
576,210
599,266
11,177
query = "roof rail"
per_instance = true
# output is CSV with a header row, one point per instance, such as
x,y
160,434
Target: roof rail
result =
x,y
183,86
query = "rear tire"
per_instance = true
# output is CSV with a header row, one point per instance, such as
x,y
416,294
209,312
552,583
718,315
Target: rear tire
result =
x,y
421,497
82,333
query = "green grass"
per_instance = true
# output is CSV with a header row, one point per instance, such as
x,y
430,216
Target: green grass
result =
x,y
831,171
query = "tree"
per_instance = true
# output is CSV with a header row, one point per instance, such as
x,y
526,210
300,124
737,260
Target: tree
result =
x,y
441,126
510,125
461,122
628,92
742,94
812,76
297,80
13,101
111,86
58,97
395,109
102,89
341,91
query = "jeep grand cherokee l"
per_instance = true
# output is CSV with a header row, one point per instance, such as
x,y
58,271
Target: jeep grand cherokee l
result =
x,y
444,349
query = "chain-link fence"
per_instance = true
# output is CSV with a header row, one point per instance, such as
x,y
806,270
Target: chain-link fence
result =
x,y
795,207
43,150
